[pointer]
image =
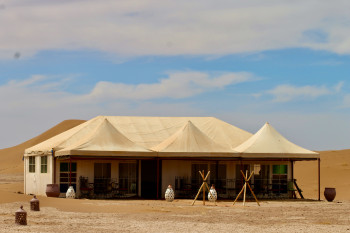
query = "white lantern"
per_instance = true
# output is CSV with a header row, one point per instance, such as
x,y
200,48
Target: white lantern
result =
x,y
212,195
169,194
70,192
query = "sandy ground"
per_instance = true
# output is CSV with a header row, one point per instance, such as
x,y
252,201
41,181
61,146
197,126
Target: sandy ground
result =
x,y
179,216
82,215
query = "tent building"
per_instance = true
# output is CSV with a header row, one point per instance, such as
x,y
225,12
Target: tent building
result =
x,y
120,156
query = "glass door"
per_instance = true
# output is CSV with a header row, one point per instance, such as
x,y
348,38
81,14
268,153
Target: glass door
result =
x,y
102,177
127,178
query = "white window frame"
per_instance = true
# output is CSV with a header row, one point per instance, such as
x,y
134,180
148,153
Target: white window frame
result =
x,y
31,164
43,164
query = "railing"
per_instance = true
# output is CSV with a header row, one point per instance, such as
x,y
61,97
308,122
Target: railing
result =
x,y
127,186
107,188
185,187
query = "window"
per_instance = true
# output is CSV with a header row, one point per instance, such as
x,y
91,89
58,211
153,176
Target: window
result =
x,y
279,178
280,169
102,177
102,170
64,176
31,164
127,177
43,164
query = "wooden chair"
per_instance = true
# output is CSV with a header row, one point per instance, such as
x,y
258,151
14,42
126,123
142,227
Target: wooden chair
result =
x,y
86,188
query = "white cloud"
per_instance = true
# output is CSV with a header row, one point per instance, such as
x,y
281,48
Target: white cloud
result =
x,y
346,101
314,131
339,86
178,85
50,90
35,104
31,106
150,27
285,93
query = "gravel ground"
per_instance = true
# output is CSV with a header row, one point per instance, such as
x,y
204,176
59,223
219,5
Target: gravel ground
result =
x,y
178,216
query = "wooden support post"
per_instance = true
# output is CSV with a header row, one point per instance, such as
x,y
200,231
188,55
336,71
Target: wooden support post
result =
x,y
241,170
216,172
245,188
199,191
253,193
157,178
54,166
137,177
203,186
319,179
70,171
292,171
239,194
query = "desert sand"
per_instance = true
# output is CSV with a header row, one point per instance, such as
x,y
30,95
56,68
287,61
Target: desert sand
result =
x,y
81,215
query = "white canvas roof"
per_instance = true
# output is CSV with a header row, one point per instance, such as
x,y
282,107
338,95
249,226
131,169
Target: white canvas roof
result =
x,y
268,143
168,137
45,147
191,141
105,140
136,133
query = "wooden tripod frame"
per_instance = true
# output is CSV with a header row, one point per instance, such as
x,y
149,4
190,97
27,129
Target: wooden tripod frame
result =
x,y
202,188
244,188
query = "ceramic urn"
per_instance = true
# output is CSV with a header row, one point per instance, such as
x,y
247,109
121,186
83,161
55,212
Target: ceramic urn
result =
x,y
169,193
70,192
212,195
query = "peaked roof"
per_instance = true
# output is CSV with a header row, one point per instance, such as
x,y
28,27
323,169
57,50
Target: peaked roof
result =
x,y
104,140
45,147
143,132
267,142
191,141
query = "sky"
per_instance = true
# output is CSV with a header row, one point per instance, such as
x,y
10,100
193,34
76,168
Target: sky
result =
x,y
244,62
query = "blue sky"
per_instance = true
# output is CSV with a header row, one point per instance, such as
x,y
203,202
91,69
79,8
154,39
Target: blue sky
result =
x,y
246,63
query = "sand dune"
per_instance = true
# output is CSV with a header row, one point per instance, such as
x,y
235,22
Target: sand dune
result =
x,y
11,158
335,172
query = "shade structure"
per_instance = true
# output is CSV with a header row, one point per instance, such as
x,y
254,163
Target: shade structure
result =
x,y
46,147
189,141
104,140
268,143
137,135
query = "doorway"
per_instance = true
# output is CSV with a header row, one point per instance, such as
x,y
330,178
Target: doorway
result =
x,y
149,179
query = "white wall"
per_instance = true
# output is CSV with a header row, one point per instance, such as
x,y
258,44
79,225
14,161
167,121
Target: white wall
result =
x,y
35,183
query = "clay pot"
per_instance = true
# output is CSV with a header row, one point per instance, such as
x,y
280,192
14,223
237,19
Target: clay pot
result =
x,y
52,190
329,194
